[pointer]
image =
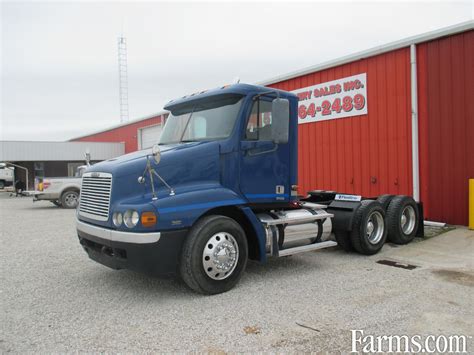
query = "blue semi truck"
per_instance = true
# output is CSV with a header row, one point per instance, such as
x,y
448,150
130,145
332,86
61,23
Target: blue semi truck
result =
x,y
221,188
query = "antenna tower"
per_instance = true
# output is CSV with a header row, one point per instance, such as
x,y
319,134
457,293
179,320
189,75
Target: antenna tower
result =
x,y
123,78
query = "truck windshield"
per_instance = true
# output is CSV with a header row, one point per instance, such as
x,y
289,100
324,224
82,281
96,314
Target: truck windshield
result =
x,y
202,121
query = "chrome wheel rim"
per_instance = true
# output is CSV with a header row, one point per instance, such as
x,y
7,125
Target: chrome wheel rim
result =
x,y
220,256
71,200
375,227
408,220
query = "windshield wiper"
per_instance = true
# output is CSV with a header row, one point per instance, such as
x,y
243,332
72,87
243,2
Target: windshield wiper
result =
x,y
187,123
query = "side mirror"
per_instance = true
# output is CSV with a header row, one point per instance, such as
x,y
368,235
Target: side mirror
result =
x,y
156,153
280,120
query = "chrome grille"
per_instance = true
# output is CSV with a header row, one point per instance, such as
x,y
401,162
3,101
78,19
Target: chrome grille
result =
x,y
95,196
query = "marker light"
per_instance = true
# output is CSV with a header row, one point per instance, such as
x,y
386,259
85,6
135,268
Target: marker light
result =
x,y
117,219
148,219
131,218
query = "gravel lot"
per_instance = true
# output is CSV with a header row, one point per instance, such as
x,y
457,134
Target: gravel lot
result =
x,y
54,299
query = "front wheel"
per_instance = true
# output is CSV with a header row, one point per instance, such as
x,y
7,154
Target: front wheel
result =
x,y
214,255
70,199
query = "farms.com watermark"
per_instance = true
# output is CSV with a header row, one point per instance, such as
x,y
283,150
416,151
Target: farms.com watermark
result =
x,y
430,344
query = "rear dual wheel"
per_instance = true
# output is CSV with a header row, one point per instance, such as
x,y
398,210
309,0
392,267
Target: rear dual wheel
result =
x,y
402,219
369,233
395,218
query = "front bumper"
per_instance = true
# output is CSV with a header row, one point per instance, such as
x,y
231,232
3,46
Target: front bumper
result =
x,y
154,253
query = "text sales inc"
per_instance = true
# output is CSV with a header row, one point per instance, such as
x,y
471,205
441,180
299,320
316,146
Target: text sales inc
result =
x,y
347,103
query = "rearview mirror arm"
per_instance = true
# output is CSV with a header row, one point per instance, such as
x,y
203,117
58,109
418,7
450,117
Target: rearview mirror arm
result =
x,y
151,172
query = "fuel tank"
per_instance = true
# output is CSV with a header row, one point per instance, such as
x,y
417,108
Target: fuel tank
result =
x,y
294,233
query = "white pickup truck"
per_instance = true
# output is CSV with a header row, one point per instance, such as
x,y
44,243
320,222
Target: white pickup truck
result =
x,y
62,191
6,175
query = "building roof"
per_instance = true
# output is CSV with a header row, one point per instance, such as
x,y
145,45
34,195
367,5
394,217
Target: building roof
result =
x,y
14,151
124,124
425,37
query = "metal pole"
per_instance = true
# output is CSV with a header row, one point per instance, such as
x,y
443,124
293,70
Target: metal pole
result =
x,y
414,126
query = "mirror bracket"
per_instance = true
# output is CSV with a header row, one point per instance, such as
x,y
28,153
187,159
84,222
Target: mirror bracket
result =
x,y
156,154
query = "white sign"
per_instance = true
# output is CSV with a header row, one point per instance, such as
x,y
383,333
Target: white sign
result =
x,y
342,197
340,98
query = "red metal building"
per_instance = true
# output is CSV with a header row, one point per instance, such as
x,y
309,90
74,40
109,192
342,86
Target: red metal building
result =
x,y
373,154
408,128
128,133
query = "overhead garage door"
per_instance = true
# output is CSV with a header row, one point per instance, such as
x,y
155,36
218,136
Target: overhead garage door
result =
x,y
147,136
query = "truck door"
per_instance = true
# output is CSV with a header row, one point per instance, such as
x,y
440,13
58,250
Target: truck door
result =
x,y
264,173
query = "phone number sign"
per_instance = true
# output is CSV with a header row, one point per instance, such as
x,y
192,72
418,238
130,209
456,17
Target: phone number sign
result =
x,y
340,98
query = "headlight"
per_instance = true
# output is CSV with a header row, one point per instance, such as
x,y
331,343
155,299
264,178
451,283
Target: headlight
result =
x,y
117,219
131,218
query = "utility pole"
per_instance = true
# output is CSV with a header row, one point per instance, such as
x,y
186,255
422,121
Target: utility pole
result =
x,y
123,78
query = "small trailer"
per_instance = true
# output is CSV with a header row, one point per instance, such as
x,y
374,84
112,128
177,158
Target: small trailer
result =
x,y
220,188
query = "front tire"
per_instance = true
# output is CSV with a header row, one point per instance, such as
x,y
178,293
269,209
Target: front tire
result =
x,y
214,255
70,199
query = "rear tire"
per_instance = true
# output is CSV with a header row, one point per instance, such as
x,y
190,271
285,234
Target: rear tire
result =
x,y
70,199
214,255
402,220
368,229
384,200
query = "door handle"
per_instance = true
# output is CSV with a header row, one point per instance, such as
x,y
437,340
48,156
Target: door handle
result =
x,y
258,147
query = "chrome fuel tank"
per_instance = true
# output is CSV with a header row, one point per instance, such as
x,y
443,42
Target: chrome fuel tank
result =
x,y
293,232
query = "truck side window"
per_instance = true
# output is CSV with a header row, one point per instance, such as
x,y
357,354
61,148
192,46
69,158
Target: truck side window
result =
x,y
259,124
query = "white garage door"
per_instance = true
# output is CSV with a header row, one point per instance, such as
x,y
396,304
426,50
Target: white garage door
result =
x,y
147,136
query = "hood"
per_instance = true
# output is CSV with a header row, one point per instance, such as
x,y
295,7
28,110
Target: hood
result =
x,y
113,165
180,164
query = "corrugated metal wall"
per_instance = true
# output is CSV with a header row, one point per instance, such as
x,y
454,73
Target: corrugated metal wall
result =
x,y
446,92
58,151
126,133
369,154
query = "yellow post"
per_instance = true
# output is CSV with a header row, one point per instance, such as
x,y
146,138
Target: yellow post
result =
x,y
471,203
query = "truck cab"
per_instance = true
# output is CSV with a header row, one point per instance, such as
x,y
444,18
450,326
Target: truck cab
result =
x,y
220,188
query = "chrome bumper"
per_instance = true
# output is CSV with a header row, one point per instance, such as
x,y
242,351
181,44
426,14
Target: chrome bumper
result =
x,y
118,236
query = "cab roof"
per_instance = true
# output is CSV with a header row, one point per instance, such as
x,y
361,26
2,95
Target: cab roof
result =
x,y
234,89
